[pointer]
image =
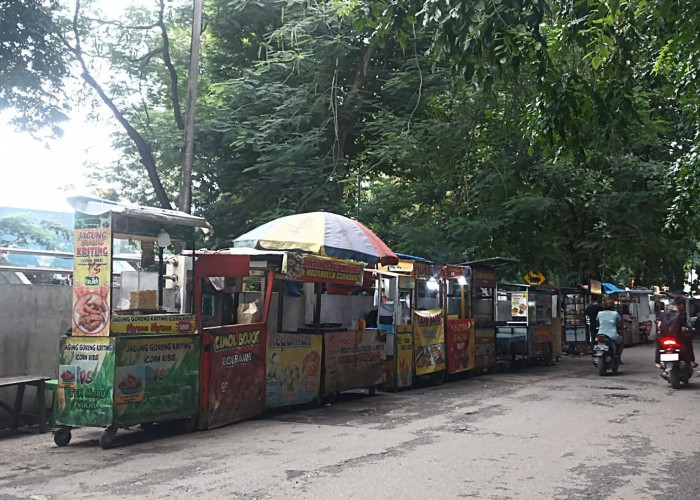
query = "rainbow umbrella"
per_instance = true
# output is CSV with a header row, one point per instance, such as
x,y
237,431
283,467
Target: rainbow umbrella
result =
x,y
320,233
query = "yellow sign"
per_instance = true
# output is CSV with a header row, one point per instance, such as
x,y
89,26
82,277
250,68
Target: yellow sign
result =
x,y
429,349
534,278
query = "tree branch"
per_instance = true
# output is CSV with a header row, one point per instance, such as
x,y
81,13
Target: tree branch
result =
x,y
144,149
171,70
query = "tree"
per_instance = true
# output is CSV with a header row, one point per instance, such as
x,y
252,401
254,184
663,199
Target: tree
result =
x,y
32,63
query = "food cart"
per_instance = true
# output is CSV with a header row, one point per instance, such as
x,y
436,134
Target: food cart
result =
x,y
233,293
459,324
525,330
394,293
322,332
131,356
482,303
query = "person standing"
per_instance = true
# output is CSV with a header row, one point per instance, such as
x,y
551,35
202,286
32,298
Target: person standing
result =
x,y
591,313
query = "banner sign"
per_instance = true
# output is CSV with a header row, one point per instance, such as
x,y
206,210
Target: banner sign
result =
x,y
237,373
156,378
316,269
173,324
85,382
404,360
460,345
92,274
293,369
426,270
429,349
454,272
353,360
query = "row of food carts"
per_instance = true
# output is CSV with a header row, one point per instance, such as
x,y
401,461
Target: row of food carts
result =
x,y
210,338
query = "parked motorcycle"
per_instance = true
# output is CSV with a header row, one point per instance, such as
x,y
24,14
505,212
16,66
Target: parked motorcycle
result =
x,y
676,370
605,355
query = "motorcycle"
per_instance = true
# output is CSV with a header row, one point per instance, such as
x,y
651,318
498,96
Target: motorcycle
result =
x,y
676,370
605,355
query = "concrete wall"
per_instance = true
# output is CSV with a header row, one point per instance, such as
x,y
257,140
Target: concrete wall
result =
x,y
32,320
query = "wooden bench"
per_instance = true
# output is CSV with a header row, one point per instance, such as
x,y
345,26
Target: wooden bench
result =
x,y
16,410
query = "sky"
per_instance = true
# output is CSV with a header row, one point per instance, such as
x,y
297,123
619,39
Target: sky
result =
x,y
42,174
39,177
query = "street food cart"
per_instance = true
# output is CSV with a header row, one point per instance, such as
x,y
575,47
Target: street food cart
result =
x,y
131,356
233,296
482,302
459,323
524,323
322,333
394,296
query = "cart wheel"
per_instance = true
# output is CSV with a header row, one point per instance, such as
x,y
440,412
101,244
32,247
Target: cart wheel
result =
x,y
147,426
62,436
107,437
372,391
188,425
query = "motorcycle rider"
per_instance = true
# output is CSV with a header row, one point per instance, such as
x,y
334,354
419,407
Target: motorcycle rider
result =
x,y
591,313
673,324
610,324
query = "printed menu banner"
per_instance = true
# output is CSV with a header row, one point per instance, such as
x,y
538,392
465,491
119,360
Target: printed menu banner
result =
x,y
518,305
429,348
156,378
330,271
237,374
92,274
353,360
460,345
85,382
404,360
293,369
167,324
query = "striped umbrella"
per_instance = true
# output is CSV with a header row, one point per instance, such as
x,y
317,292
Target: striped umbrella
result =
x,y
320,233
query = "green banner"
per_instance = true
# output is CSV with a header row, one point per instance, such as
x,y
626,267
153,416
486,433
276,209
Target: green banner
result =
x,y
85,375
156,378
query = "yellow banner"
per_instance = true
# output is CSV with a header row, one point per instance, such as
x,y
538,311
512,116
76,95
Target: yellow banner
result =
x,y
429,348
92,275
164,324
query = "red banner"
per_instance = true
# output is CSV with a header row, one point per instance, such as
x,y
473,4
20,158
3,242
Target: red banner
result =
x,y
460,345
485,347
236,381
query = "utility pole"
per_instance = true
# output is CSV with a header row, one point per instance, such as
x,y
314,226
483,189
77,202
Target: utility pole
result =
x,y
188,157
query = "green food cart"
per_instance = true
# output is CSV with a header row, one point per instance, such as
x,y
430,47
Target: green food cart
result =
x,y
132,356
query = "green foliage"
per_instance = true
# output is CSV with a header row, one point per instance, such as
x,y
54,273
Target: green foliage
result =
x,y
32,63
559,133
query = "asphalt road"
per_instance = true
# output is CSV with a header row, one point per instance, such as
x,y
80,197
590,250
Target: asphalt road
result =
x,y
558,432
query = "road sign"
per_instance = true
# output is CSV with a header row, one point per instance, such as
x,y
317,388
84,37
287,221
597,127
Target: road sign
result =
x,y
534,278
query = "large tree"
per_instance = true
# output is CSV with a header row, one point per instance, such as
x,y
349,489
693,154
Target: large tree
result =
x,y
32,63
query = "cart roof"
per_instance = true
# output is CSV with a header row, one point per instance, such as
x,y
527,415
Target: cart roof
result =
x,y
96,206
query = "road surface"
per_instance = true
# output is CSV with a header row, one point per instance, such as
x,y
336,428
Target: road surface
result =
x,y
558,432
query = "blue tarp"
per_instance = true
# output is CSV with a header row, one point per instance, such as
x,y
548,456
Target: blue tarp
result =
x,y
609,288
